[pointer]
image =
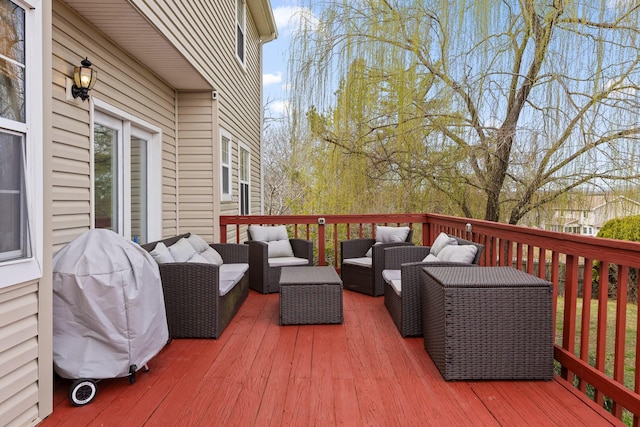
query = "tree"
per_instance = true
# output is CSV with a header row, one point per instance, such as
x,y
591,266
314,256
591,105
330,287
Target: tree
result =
x,y
502,106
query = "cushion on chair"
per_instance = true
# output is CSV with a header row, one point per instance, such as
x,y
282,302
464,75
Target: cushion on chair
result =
x,y
230,275
280,248
364,261
161,253
287,261
212,256
389,275
198,258
441,241
391,234
268,234
182,250
431,258
461,253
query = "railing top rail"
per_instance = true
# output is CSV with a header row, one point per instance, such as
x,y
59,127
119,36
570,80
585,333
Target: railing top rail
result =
x,y
329,219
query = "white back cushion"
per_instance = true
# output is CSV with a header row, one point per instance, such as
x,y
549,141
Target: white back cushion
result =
x,y
441,241
182,250
461,253
268,234
279,248
391,234
161,253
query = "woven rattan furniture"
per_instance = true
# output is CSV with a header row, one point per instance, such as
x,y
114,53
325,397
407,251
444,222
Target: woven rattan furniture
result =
x,y
488,323
366,279
193,303
405,307
264,272
310,295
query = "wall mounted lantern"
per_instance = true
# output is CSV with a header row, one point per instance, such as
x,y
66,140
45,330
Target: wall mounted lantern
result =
x,y
84,77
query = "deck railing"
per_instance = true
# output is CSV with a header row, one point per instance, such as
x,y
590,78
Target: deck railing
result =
x,y
599,359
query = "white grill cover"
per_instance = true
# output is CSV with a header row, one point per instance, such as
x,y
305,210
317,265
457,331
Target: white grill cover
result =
x,y
108,307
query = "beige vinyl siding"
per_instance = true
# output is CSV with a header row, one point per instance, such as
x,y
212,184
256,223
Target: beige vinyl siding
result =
x,y
197,172
211,44
121,83
19,354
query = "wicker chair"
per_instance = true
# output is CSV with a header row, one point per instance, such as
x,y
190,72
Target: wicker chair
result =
x,y
264,272
194,306
404,263
365,278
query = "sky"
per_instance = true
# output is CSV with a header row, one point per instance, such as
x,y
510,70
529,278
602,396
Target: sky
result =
x,y
275,57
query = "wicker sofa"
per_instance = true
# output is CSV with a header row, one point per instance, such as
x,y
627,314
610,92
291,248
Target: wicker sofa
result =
x,y
402,274
195,305
362,262
270,249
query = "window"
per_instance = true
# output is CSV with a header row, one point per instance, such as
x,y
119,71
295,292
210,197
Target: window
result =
x,y
20,142
245,188
225,167
126,161
240,29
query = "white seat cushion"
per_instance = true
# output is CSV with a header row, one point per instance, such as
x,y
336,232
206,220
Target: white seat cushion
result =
x,y
230,275
363,262
389,275
287,261
396,285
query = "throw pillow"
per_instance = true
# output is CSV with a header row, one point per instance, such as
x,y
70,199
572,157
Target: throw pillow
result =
x,y
441,241
370,251
391,234
212,256
280,248
268,234
161,254
182,251
462,253
198,243
430,258
198,258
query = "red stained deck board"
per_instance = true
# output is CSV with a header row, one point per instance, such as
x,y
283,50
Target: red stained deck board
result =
x,y
358,373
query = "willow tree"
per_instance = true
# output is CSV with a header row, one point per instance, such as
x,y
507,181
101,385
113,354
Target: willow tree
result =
x,y
503,105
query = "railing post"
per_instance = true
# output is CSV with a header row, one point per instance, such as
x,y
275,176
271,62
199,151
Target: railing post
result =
x,y
321,229
570,301
223,233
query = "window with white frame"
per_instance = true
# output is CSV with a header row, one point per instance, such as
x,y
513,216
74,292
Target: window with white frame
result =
x,y
225,166
127,171
20,142
244,180
240,29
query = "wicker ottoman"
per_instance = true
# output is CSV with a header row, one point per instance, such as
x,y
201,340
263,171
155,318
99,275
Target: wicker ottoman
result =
x,y
310,295
488,323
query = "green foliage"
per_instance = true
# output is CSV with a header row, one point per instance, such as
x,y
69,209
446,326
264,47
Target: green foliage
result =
x,y
627,228
476,108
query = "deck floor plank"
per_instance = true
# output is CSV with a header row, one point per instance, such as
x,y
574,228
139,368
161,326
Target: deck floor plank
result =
x,y
358,373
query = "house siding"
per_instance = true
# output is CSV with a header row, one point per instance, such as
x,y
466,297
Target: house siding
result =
x,y
190,122
195,27
121,83
196,163
19,392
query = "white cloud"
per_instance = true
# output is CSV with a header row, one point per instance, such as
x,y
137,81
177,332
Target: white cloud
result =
x,y
278,108
289,18
270,78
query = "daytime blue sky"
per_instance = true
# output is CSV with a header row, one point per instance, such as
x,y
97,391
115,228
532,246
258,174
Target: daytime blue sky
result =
x,y
275,56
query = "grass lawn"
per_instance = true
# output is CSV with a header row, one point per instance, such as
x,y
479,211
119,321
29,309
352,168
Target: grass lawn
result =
x,y
630,339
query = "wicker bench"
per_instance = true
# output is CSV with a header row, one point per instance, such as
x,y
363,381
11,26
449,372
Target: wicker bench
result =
x,y
488,323
195,308
310,295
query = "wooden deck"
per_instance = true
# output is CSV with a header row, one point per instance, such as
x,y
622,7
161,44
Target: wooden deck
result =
x,y
361,373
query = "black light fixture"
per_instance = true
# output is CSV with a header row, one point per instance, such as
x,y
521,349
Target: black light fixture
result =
x,y
84,77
